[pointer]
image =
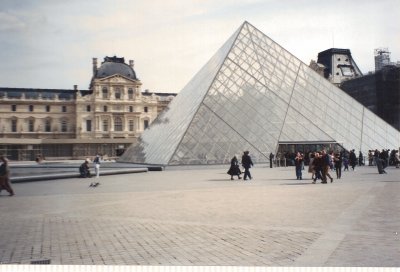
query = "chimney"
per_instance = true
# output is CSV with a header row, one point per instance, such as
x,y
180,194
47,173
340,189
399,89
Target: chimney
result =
x,y
131,63
75,87
94,66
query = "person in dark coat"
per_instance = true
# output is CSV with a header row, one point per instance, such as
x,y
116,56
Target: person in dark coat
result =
x,y
271,158
338,165
325,166
5,176
234,170
246,163
317,166
353,159
84,170
360,159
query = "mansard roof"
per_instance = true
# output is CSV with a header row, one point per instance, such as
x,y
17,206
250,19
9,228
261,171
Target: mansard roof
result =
x,y
33,92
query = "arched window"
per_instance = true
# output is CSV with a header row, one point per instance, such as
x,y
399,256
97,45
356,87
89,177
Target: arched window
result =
x,y
105,93
88,108
118,124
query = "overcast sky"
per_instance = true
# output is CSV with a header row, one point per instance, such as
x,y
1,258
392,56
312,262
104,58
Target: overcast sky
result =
x,y
51,43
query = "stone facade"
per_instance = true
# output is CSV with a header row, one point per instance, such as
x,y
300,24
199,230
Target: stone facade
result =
x,y
72,123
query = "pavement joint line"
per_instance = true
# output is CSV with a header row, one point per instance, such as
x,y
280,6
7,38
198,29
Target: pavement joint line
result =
x,y
327,243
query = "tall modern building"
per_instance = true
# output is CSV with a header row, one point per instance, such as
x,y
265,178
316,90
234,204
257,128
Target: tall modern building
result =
x,y
254,95
379,92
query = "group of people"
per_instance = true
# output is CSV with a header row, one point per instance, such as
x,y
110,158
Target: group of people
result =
x,y
319,166
84,169
386,157
321,163
247,163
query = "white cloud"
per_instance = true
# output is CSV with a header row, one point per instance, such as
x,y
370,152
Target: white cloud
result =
x,y
10,22
171,40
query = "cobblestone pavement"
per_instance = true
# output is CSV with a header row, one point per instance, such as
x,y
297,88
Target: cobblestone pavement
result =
x,y
199,217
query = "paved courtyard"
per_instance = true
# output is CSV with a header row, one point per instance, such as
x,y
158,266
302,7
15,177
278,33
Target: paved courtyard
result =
x,y
199,217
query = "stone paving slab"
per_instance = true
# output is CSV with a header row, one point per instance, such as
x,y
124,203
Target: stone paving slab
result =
x,y
199,217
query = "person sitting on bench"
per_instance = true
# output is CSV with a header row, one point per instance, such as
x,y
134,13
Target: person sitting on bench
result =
x,y
84,169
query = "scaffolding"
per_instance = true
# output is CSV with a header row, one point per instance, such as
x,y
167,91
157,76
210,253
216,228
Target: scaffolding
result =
x,y
382,58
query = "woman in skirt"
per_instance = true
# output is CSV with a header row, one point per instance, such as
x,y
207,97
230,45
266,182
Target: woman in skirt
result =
x,y
234,170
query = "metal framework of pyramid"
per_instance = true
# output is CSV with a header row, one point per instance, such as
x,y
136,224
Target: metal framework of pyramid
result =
x,y
252,95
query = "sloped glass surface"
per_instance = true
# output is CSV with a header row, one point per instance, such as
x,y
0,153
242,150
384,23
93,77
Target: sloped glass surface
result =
x,y
210,140
252,95
158,143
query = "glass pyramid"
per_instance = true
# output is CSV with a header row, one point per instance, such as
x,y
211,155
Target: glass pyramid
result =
x,y
251,95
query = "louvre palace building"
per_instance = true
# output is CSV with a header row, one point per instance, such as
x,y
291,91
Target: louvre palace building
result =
x,y
73,123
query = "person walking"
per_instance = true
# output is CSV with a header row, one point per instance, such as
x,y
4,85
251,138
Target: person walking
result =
x,y
311,165
325,167
298,162
360,159
397,159
353,159
317,166
370,157
338,165
5,176
346,162
234,170
271,158
246,163
96,162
